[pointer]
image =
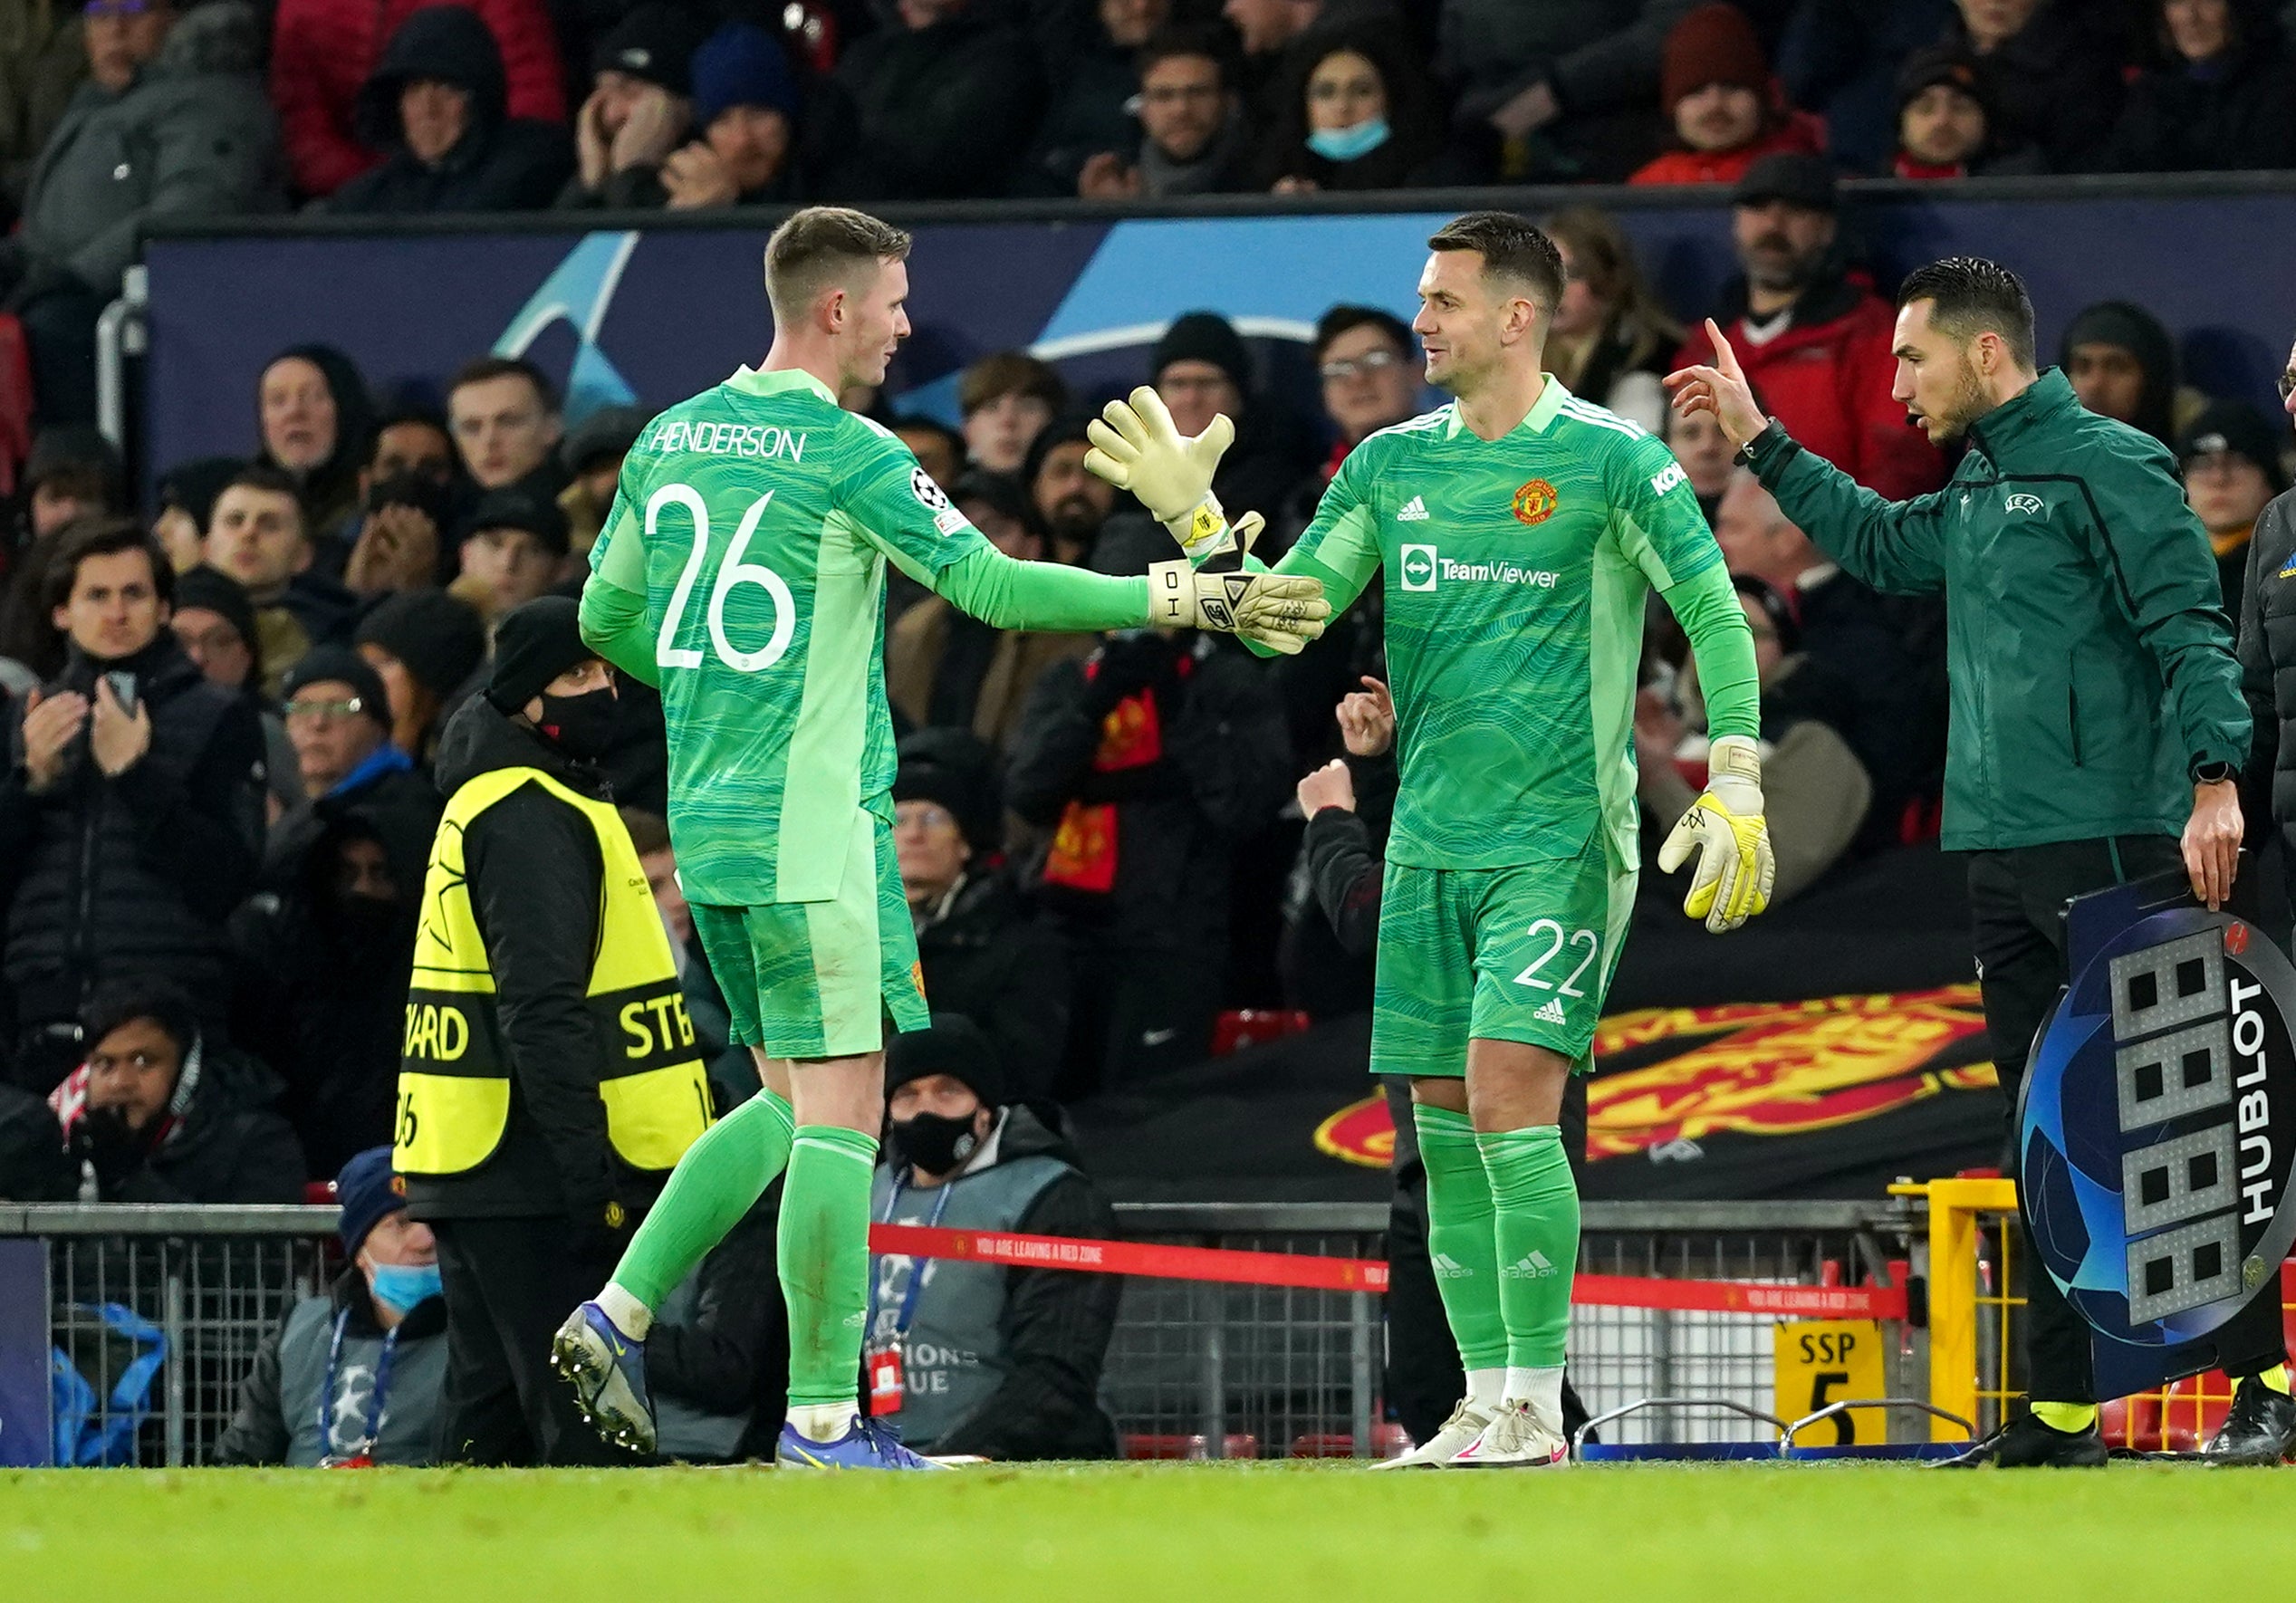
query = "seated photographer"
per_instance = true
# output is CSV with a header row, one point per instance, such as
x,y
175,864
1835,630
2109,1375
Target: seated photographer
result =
x,y
972,1359
352,1378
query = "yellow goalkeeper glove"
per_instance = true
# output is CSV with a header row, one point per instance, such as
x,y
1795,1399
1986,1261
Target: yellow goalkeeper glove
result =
x,y
1281,611
1726,828
1137,446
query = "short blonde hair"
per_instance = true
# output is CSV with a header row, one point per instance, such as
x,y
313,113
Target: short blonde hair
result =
x,y
814,247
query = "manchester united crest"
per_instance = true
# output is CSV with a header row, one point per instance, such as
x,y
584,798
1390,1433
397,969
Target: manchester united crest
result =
x,y
1534,502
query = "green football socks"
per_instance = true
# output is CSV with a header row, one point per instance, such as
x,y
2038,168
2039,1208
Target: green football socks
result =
x,y
1534,1205
719,1180
824,1261
1460,1240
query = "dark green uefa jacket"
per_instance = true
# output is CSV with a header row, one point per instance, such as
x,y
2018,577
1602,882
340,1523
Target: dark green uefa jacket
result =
x,y
2090,661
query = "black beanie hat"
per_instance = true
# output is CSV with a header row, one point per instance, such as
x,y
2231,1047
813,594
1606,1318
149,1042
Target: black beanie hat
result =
x,y
655,42
1202,336
341,662
1061,431
954,769
2223,428
212,591
512,508
442,640
534,644
954,1046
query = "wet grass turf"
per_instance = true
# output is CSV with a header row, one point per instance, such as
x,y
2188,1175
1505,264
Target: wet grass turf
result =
x,y
1188,1533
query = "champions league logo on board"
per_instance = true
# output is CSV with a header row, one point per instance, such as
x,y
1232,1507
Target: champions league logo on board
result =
x,y
2157,1125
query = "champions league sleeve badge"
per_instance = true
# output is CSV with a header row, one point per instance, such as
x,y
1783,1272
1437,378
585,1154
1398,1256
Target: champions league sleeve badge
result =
x,y
2156,1129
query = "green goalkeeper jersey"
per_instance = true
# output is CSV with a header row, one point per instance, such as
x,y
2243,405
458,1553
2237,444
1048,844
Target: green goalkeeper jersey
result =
x,y
748,544
1517,571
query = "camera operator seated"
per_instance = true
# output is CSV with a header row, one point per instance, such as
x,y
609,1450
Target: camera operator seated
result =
x,y
352,1378
972,1359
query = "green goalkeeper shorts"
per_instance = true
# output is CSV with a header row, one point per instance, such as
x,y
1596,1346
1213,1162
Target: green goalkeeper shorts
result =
x,y
1516,954
819,979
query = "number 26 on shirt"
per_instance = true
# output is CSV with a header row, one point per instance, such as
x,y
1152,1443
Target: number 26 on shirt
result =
x,y
732,571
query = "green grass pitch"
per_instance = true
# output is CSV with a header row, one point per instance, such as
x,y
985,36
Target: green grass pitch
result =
x,y
1185,1532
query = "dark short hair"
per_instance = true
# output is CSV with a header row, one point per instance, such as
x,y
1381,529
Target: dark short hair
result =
x,y
1512,246
1187,39
486,367
123,1002
402,415
1970,296
1010,372
101,535
1341,318
918,423
263,476
648,831
813,247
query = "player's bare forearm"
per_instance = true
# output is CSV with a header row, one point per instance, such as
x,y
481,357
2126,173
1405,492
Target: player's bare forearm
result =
x,y
1706,605
613,625
1004,592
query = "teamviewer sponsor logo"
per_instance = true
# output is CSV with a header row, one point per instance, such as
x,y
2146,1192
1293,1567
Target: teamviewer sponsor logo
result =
x,y
1419,567
1424,567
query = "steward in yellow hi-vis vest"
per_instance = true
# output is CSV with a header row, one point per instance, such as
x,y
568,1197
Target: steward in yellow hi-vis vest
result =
x,y
550,1078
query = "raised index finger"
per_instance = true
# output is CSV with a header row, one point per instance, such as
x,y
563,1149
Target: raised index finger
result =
x,y
1725,359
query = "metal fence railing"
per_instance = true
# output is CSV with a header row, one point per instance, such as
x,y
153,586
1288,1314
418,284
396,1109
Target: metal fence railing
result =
x,y
1193,1369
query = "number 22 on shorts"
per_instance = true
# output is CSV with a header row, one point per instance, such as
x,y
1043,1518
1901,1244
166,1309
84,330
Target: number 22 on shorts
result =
x,y
1558,939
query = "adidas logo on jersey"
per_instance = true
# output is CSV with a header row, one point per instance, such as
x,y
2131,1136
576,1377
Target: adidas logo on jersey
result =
x,y
1534,1266
1414,511
1447,1268
1553,1013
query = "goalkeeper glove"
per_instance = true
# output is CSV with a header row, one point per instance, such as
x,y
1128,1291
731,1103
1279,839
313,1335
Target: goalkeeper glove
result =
x,y
1725,826
1137,446
1280,612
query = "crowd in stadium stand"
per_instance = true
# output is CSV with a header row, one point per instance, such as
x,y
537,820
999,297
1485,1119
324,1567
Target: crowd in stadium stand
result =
x,y
222,719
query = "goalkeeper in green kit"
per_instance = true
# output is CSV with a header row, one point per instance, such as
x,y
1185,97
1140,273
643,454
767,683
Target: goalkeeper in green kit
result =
x,y
742,571
1519,530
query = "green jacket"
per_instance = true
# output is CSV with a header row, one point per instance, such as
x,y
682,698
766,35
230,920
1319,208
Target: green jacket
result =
x,y
2090,662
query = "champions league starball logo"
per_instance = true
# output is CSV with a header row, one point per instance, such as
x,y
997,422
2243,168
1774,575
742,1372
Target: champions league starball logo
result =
x,y
2157,1128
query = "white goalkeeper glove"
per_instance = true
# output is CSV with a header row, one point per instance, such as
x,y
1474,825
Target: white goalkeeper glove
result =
x,y
1726,828
1137,446
1281,611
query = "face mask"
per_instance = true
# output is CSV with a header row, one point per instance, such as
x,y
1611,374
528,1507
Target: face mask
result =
x,y
934,1142
403,1287
1346,144
581,726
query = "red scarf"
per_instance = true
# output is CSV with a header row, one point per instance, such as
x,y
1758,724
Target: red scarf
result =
x,y
1083,851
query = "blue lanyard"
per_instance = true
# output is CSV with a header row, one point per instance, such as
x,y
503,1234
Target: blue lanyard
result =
x,y
374,1398
907,1316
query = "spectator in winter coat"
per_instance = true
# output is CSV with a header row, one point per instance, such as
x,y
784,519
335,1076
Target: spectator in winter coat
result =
x,y
322,52
1096,80
1149,760
41,63
511,545
72,473
1839,60
2054,69
2232,463
987,955
2123,365
316,423
392,541
158,1112
215,623
424,646
172,122
639,109
2223,96
1563,89
131,810
1815,342
1357,111
1002,1363
339,716
746,104
1947,127
505,418
1192,137
1612,337
1727,111
434,103
353,1376
940,105
1200,367
256,534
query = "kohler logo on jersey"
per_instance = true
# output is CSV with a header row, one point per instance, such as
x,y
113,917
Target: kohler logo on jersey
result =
x,y
1423,567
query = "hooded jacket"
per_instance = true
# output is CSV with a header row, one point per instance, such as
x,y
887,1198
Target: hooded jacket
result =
x,y
133,876
2090,664
535,876
2057,82
225,1145
329,492
191,136
322,52
1827,377
2133,329
2237,113
940,113
500,163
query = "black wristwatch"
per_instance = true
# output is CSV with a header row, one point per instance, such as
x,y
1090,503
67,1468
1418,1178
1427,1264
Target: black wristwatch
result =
x,y
2211,773
1772,432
